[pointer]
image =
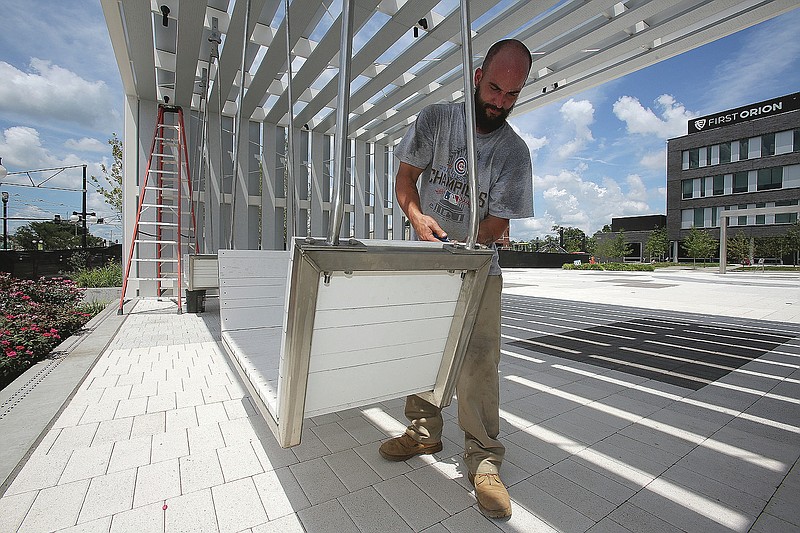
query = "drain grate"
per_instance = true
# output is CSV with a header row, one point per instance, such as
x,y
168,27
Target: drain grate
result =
x,y
7,406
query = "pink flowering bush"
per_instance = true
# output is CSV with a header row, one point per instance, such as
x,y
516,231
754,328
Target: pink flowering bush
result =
x,y
35,316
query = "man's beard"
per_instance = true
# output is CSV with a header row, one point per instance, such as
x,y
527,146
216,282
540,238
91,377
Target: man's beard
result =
x,y
486,122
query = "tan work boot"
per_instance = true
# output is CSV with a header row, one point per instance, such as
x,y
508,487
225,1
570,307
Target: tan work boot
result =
x,y
404,447
492,495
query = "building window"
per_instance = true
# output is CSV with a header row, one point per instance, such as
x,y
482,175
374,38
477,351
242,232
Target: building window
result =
x,y
687,187
740,182
694,158
770,178
796,143
744,149
699,217
742,220
767,144
785,218
719,185
724,153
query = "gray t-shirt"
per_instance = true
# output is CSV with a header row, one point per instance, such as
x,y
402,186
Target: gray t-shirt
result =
x,y
436,143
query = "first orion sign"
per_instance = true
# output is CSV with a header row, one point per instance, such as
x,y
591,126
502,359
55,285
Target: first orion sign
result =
x,y
766,108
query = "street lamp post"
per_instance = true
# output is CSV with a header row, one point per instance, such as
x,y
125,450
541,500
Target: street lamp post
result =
x,y
5,220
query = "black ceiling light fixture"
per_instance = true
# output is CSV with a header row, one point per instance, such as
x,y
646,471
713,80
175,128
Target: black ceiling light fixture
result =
x,y
165,15
421,23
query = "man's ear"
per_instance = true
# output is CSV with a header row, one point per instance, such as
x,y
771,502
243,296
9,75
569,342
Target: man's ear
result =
x,y
478,75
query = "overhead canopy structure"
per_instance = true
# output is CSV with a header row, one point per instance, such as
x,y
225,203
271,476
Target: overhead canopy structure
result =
x,y
405,54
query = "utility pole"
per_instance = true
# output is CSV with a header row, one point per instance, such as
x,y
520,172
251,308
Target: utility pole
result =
x,y
83,209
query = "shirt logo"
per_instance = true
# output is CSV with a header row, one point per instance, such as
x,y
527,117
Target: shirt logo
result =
x,y
460,166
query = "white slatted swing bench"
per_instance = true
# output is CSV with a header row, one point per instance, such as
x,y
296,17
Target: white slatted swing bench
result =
x,y
320,328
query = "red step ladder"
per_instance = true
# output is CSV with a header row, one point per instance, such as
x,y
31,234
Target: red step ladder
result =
x,y
165,226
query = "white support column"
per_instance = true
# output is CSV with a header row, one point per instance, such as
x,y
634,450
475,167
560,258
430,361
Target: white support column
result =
x,y
300,159
253,182
240,190
381,185
272,189
320,184
213,191
360,177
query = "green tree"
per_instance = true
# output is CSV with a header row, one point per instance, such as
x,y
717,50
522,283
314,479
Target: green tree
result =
x,y
793,241
613,246
110,185
700,244
574,238
657,244
53,236
773,246
738,247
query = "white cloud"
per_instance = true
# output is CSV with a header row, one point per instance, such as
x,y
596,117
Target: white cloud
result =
x,y
656,161
87,144
670,122
580,115
569,199
22,150
48,92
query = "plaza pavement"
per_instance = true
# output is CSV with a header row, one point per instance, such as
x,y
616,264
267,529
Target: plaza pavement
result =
x,y
643,402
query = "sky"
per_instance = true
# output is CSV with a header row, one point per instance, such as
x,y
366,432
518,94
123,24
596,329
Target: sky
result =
x,y
598,154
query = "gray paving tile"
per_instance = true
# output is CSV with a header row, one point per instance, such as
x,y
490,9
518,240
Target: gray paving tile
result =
x,y
768,523
169,445
317,480
548,508
239,461
101,525
286,524
157,482
310,447
362,430
211,413
131,407
74,437
237,506
334,437
327,516
70,416
271,455
439,482
129,454
182,418
541,453
351,470
191,513
280,493
148,424
411,503
385,469
108,495
111,431
572,494
200,471
716,491
594,481
145,519
14,508
55,508
238,431
40,471
86,463
370,512
690,510
205,438
606,525
473,521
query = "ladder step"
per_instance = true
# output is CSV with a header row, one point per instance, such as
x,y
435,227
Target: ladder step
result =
x,y
156,223
155,241
163,206
140,260
168,172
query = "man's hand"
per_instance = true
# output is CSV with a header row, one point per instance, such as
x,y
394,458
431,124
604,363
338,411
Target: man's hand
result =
x,y
425,226
427,229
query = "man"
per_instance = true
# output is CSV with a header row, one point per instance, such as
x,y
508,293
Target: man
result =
x,y
433,151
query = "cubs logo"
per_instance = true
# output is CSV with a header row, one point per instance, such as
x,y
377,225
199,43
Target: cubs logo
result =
x,y
460,166
700,124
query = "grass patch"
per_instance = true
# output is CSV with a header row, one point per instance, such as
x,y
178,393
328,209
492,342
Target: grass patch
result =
x,y
623,267
109,275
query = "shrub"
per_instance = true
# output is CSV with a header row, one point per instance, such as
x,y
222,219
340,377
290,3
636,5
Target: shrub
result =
x,y
36,316
640,267
109,275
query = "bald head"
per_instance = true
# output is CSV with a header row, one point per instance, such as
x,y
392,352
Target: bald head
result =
x,y
511,50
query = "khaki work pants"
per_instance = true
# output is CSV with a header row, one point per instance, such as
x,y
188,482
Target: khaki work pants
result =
x,y
477,391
